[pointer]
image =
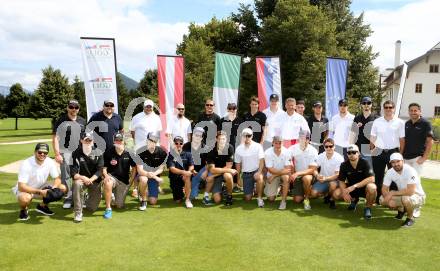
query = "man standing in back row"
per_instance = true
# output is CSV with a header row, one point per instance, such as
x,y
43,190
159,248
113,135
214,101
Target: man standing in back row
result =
x,y
258,117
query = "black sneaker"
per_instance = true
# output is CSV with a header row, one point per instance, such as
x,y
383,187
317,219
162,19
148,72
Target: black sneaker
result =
x,y
367,213
44,210
399,215
332,204
352,206
408,223
23,215
228,200
327,199
236,189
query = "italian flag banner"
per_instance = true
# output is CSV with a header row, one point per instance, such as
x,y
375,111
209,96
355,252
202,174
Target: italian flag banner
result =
x,y
170,83
226,81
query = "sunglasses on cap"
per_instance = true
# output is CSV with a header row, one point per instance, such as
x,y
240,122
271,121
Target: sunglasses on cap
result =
x,y
73,107
351,152
109,105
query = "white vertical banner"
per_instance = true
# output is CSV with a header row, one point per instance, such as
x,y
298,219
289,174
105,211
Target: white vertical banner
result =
x,y
401,88
99,64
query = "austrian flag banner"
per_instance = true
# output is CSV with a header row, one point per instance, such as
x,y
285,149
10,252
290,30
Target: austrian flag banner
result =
x,y
226,81
99,64
268,79
170,82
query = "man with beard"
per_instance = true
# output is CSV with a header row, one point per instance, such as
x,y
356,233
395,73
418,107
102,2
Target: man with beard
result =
x,y
179,125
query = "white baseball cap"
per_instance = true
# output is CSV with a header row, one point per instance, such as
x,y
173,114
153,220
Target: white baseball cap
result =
x,y
247,131
148,102
396,157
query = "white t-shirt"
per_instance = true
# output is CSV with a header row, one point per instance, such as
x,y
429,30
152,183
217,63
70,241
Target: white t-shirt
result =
x,y
277,162
388,133
273,123
303,158
408,176
35,175
330,166
179,127
341,127
249,156
142,124
291,125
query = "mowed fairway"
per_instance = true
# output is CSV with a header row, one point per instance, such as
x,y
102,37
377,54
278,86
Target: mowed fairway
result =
x,y
241,237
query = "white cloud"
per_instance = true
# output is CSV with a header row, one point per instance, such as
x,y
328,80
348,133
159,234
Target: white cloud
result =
x,y
415,24
34,34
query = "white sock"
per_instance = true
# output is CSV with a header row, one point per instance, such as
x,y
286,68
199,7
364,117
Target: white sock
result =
x,y
206,194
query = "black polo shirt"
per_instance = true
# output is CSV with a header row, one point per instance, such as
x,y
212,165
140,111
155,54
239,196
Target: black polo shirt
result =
x,y
198,156
114,125
87,165
415,137
185,162
361,139
231,128
213,118
220,160
119,165
260,118
322,125
351,175
154,159
64,122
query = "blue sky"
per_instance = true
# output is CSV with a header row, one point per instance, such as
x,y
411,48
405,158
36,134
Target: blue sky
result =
x,y
34,34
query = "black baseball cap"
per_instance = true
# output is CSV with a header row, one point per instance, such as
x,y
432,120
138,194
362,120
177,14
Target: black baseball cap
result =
x,y
119,136
153,137
317,103
43,147
87,135
274,96
343,102
73,102
178,138
232,106
366,100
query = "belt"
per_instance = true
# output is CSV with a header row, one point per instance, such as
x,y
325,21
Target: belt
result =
x,y
390,150
248,173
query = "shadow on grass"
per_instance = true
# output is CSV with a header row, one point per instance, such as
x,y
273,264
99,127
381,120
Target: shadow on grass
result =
x,y
27,135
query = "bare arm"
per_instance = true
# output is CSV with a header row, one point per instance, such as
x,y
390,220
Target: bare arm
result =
x,y
402,144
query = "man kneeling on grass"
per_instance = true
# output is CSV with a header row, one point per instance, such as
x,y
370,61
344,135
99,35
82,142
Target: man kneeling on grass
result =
x,y
116,173
86,173
410,194
32,184
356,180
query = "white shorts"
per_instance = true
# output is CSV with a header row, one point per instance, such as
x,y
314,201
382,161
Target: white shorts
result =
x,y
17,193
271,189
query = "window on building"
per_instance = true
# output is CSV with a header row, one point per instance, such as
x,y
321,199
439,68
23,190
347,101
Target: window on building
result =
x,y
437,88
418,88
433,68
437,111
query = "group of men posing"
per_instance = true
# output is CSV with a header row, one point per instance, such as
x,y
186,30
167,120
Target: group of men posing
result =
x,y
273,152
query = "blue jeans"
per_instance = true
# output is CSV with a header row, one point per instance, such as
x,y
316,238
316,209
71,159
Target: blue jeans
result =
x,y
195,182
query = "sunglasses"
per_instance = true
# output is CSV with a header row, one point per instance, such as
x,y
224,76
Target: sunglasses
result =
x,y
388,107
73,107
109,105
248,136
198,135
231,109
328,146
343,105
351,152
180,109
209,105
149,106
366,103
42,153
178,143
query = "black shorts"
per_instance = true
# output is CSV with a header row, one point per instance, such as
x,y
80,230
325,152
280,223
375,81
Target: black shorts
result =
x,y
358,193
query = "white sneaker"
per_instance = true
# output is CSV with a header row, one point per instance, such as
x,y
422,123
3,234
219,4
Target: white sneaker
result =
x,y
307,205
67,204
113,203
143,206
188,204
416,212
282,205
78,217
260,202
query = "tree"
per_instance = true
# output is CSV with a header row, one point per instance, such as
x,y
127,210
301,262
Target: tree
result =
x,y
52,95
3,107
17,103
147,85
123,95
79,94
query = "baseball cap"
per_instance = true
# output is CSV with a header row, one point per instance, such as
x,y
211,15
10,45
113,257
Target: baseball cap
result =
x,y
107,101
43,147
198,130
148,102
343,102
274,96
178,138
366,100
353,147
232,106
119,136
87,135
153,137
73,102
247,131
317,103
396,156
304,133
277,138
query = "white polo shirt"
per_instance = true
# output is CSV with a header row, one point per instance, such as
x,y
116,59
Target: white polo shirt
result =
x,y
142,124
179,127
35,175
275,161
388,133
273,123
408,176
249,156
291,125
330,166
341,127
302,159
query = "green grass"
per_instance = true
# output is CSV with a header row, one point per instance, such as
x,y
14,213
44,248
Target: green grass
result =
x,y
25,124
241,237
28,129
12,153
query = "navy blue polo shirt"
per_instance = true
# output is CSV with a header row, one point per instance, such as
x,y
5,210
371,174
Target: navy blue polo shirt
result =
x,y
415,137
185,162
114,125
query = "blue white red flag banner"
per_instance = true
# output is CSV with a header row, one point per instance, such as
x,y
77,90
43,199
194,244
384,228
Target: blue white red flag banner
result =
x,y
335,84
171,87
99,64
268,79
